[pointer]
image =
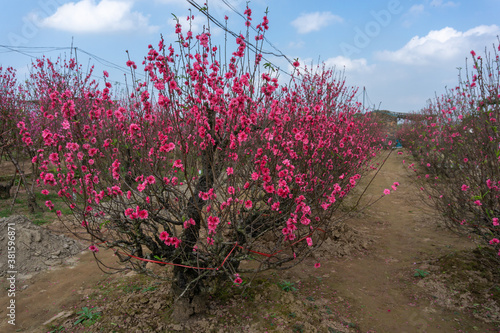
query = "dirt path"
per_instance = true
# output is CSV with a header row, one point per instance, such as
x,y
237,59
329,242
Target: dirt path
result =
x,y
381,284
376,290
52,292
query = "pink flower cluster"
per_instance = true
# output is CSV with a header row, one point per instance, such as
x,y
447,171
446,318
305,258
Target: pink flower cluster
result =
x,y
170,241
136,214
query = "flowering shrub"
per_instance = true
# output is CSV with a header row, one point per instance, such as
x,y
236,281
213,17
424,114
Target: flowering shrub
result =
x,y
13,108
456,141
205,165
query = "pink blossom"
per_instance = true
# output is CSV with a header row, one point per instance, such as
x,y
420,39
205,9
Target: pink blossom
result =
x,y
248,204
188,223
494,241
133,128
465,187
230,190
132,64
163,235
495,221
478,203
45,192
178,164
466,160
325,205
93,248
49,204
387,191
237,279
151,179
269,188
317,265
49,179
212,222
129,211
92,151
143,214
309,241
229,171
54,158
255,176
176,242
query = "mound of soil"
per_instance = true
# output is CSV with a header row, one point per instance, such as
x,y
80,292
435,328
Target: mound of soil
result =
x,y
343,241
466,281
37,248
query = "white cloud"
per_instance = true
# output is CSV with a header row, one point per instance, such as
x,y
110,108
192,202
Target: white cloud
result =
x,y
296,44
350,65
416,9
440,3
310,22
195,24
339,63
87,16
412,15
182,3
441,45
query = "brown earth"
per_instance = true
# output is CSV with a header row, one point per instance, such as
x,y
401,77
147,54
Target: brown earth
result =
x,y
366,283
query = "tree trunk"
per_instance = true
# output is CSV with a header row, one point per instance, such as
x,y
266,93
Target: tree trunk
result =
x,y
34,207
5,190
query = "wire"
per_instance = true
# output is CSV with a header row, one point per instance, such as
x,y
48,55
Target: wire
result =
x,y
248,43
29,51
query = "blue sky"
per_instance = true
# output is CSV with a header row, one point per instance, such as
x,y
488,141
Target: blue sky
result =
x,y
402,51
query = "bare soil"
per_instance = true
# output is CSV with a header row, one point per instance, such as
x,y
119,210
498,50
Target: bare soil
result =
x,y
389,268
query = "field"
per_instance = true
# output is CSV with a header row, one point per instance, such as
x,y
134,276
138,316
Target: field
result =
x,y
214,197
388,268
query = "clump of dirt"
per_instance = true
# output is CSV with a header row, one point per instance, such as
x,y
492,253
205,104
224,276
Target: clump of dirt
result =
x,y
467,281
342,241
36,248
140,304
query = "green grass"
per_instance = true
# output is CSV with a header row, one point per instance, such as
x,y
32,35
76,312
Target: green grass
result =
x,y
287,286
420,273
5,212
131,288
87,317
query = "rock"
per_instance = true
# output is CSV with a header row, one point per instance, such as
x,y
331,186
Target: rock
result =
x,y
131,274
176,327
37,248
64,314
